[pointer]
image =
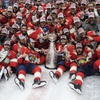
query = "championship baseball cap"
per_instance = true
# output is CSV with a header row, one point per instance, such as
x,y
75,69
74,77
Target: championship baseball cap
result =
x,y
60,15
79,45
15,5
49,17
91,14
42,19
63,36
73,5
40,9
76,19
19,15
35,19
4,30
54,11
10,9
57,1
38,0
97,2
61,1
84,2
28,2
48,5
7,42
81,30
65,30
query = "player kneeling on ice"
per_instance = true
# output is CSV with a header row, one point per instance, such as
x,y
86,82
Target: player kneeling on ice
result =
x,y
8,60
27,63
84,61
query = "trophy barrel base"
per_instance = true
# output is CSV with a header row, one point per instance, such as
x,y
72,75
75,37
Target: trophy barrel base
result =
x,y
49,67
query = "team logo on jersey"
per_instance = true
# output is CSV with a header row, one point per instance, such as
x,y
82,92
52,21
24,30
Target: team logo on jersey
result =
x,y
81,61
32,58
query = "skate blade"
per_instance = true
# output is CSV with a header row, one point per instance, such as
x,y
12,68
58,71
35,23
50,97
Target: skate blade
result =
x,y
76,90
6,75
53,77
1,72
39,85
17,81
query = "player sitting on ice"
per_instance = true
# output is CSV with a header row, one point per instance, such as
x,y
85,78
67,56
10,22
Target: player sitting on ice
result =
x,y
83,64
8,60
64,48
27,63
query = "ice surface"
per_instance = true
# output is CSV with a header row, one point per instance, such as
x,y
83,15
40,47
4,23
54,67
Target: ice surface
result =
x,y
52,91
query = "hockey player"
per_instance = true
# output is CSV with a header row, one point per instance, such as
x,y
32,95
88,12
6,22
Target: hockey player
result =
x,y
97,62
43,42
64,50
8,61
8,17
83,67
15,8
19,20
17,33
83,54
27,64
28,4
83,37
50,25
21,42
3,35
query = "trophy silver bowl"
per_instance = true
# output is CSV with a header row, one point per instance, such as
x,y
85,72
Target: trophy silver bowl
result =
x,y
51,57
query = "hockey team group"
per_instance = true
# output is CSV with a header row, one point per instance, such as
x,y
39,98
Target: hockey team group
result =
x,y
25,31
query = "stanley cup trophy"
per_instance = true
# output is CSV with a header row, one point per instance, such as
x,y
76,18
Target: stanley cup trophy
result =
x,y
51,58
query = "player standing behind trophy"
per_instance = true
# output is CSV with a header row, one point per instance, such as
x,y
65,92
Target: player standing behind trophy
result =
x,y
27,63
65,50
8,61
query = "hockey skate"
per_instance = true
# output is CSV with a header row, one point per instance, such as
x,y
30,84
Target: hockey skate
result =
x,y
6,74
1,72
72,76
38,84
53,76
19,83
75,87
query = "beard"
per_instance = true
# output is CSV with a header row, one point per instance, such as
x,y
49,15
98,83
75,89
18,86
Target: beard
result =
x,y
84,37
18,22
98,11
91,10
2,38
31,47
23,43
68,36
79,52
24,33
92,22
